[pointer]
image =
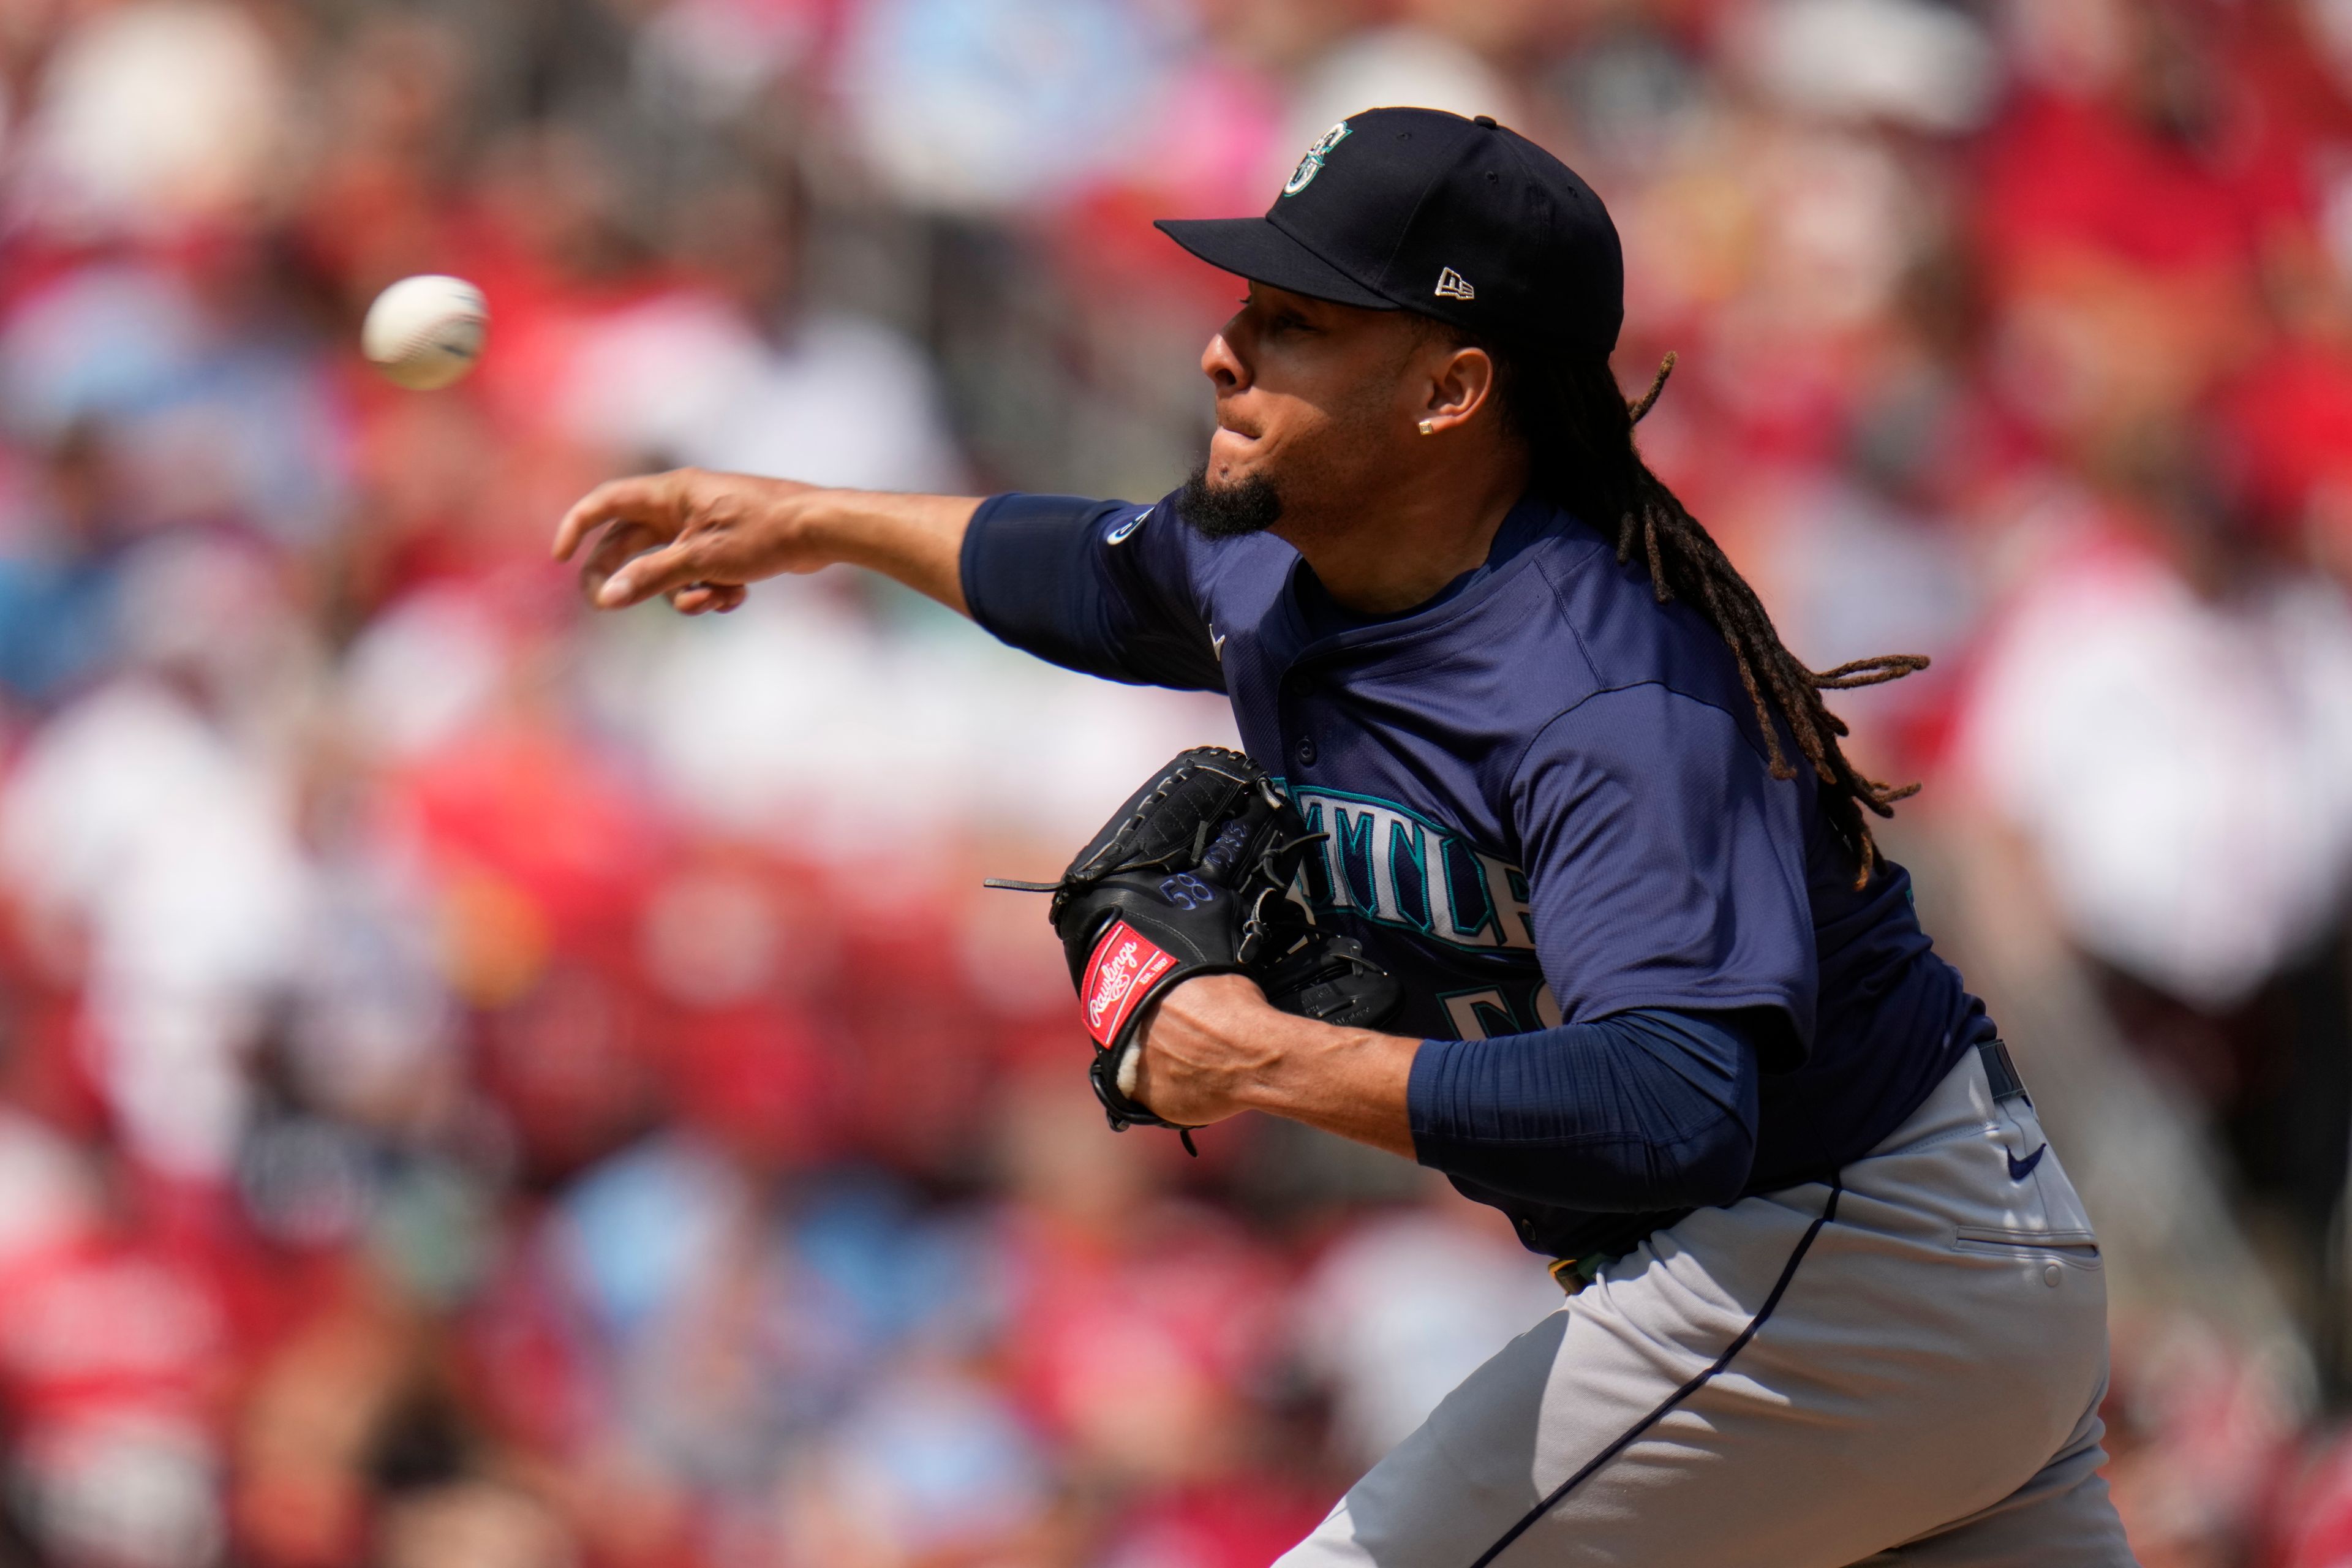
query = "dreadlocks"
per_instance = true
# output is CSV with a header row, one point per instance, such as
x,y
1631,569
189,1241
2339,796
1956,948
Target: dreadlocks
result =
x,y
1578,430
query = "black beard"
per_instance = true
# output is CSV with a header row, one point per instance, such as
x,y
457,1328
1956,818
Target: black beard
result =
x,y
1229,512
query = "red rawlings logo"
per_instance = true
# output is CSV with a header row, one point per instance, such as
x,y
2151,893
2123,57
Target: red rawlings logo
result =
x,y
1120,973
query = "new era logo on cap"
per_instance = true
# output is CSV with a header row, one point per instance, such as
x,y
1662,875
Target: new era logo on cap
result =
x,y
1452,285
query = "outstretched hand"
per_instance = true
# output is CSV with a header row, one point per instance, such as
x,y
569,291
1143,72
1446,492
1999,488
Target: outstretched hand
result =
x,y
694,537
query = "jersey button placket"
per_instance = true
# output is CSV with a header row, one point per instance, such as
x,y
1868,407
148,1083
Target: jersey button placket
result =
x,y
1300,685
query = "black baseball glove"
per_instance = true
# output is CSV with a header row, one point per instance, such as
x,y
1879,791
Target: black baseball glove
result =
x,y
1192,876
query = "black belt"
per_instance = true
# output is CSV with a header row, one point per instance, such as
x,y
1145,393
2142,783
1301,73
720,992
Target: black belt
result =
x,y
2002,1072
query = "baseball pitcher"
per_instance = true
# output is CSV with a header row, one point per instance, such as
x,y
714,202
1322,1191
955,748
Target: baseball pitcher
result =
x,y
1544,868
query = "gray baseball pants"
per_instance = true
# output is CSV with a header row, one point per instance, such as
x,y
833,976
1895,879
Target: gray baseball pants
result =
x,y
1902,1370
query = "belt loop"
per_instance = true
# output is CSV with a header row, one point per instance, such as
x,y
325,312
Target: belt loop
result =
x,y
2001,1073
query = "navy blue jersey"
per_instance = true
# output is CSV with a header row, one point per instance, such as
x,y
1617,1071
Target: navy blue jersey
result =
x,y
1548,801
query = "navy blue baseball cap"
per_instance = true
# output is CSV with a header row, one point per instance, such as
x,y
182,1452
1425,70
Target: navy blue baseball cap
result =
x,y
1416,209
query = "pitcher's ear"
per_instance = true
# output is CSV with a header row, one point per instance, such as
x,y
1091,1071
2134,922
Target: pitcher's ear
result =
x,y
1462,386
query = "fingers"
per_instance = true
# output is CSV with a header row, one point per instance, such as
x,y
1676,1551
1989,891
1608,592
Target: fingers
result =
x,y
647,548
647,499
612,552
659,571
705,598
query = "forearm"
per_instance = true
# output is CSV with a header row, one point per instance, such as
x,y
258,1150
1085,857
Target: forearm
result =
x,y
917,540
1352,1082
1640,1111
699,539
1213,1048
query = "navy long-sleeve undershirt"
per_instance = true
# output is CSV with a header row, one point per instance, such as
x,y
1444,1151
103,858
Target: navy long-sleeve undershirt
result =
x,y
1641,1110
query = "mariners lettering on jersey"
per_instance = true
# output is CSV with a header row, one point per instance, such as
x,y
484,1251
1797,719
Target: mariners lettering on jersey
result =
x,y
1389,865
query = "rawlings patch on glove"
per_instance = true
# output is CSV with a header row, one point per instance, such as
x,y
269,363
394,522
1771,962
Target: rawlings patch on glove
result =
x,y
1192,876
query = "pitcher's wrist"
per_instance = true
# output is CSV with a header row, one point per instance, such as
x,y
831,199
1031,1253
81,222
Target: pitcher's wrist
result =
x,y
817,527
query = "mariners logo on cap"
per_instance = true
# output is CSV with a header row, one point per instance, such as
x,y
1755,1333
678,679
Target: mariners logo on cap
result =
x,y
1312,164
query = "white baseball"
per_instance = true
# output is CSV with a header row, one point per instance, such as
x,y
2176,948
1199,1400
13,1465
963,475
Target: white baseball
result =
x,y
425,331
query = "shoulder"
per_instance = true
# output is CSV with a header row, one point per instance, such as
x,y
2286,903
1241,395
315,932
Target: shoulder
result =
x,y
1156,537
1633,643
1645,729
1627,631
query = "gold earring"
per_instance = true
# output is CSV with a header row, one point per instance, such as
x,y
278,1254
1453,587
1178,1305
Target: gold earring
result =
x,y
1429,427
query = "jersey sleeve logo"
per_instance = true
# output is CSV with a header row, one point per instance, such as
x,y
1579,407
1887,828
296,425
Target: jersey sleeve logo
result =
x,y
1118,535
1120,972
1312,164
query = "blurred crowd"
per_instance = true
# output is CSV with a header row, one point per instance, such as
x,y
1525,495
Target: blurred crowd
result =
x,y
487,1086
